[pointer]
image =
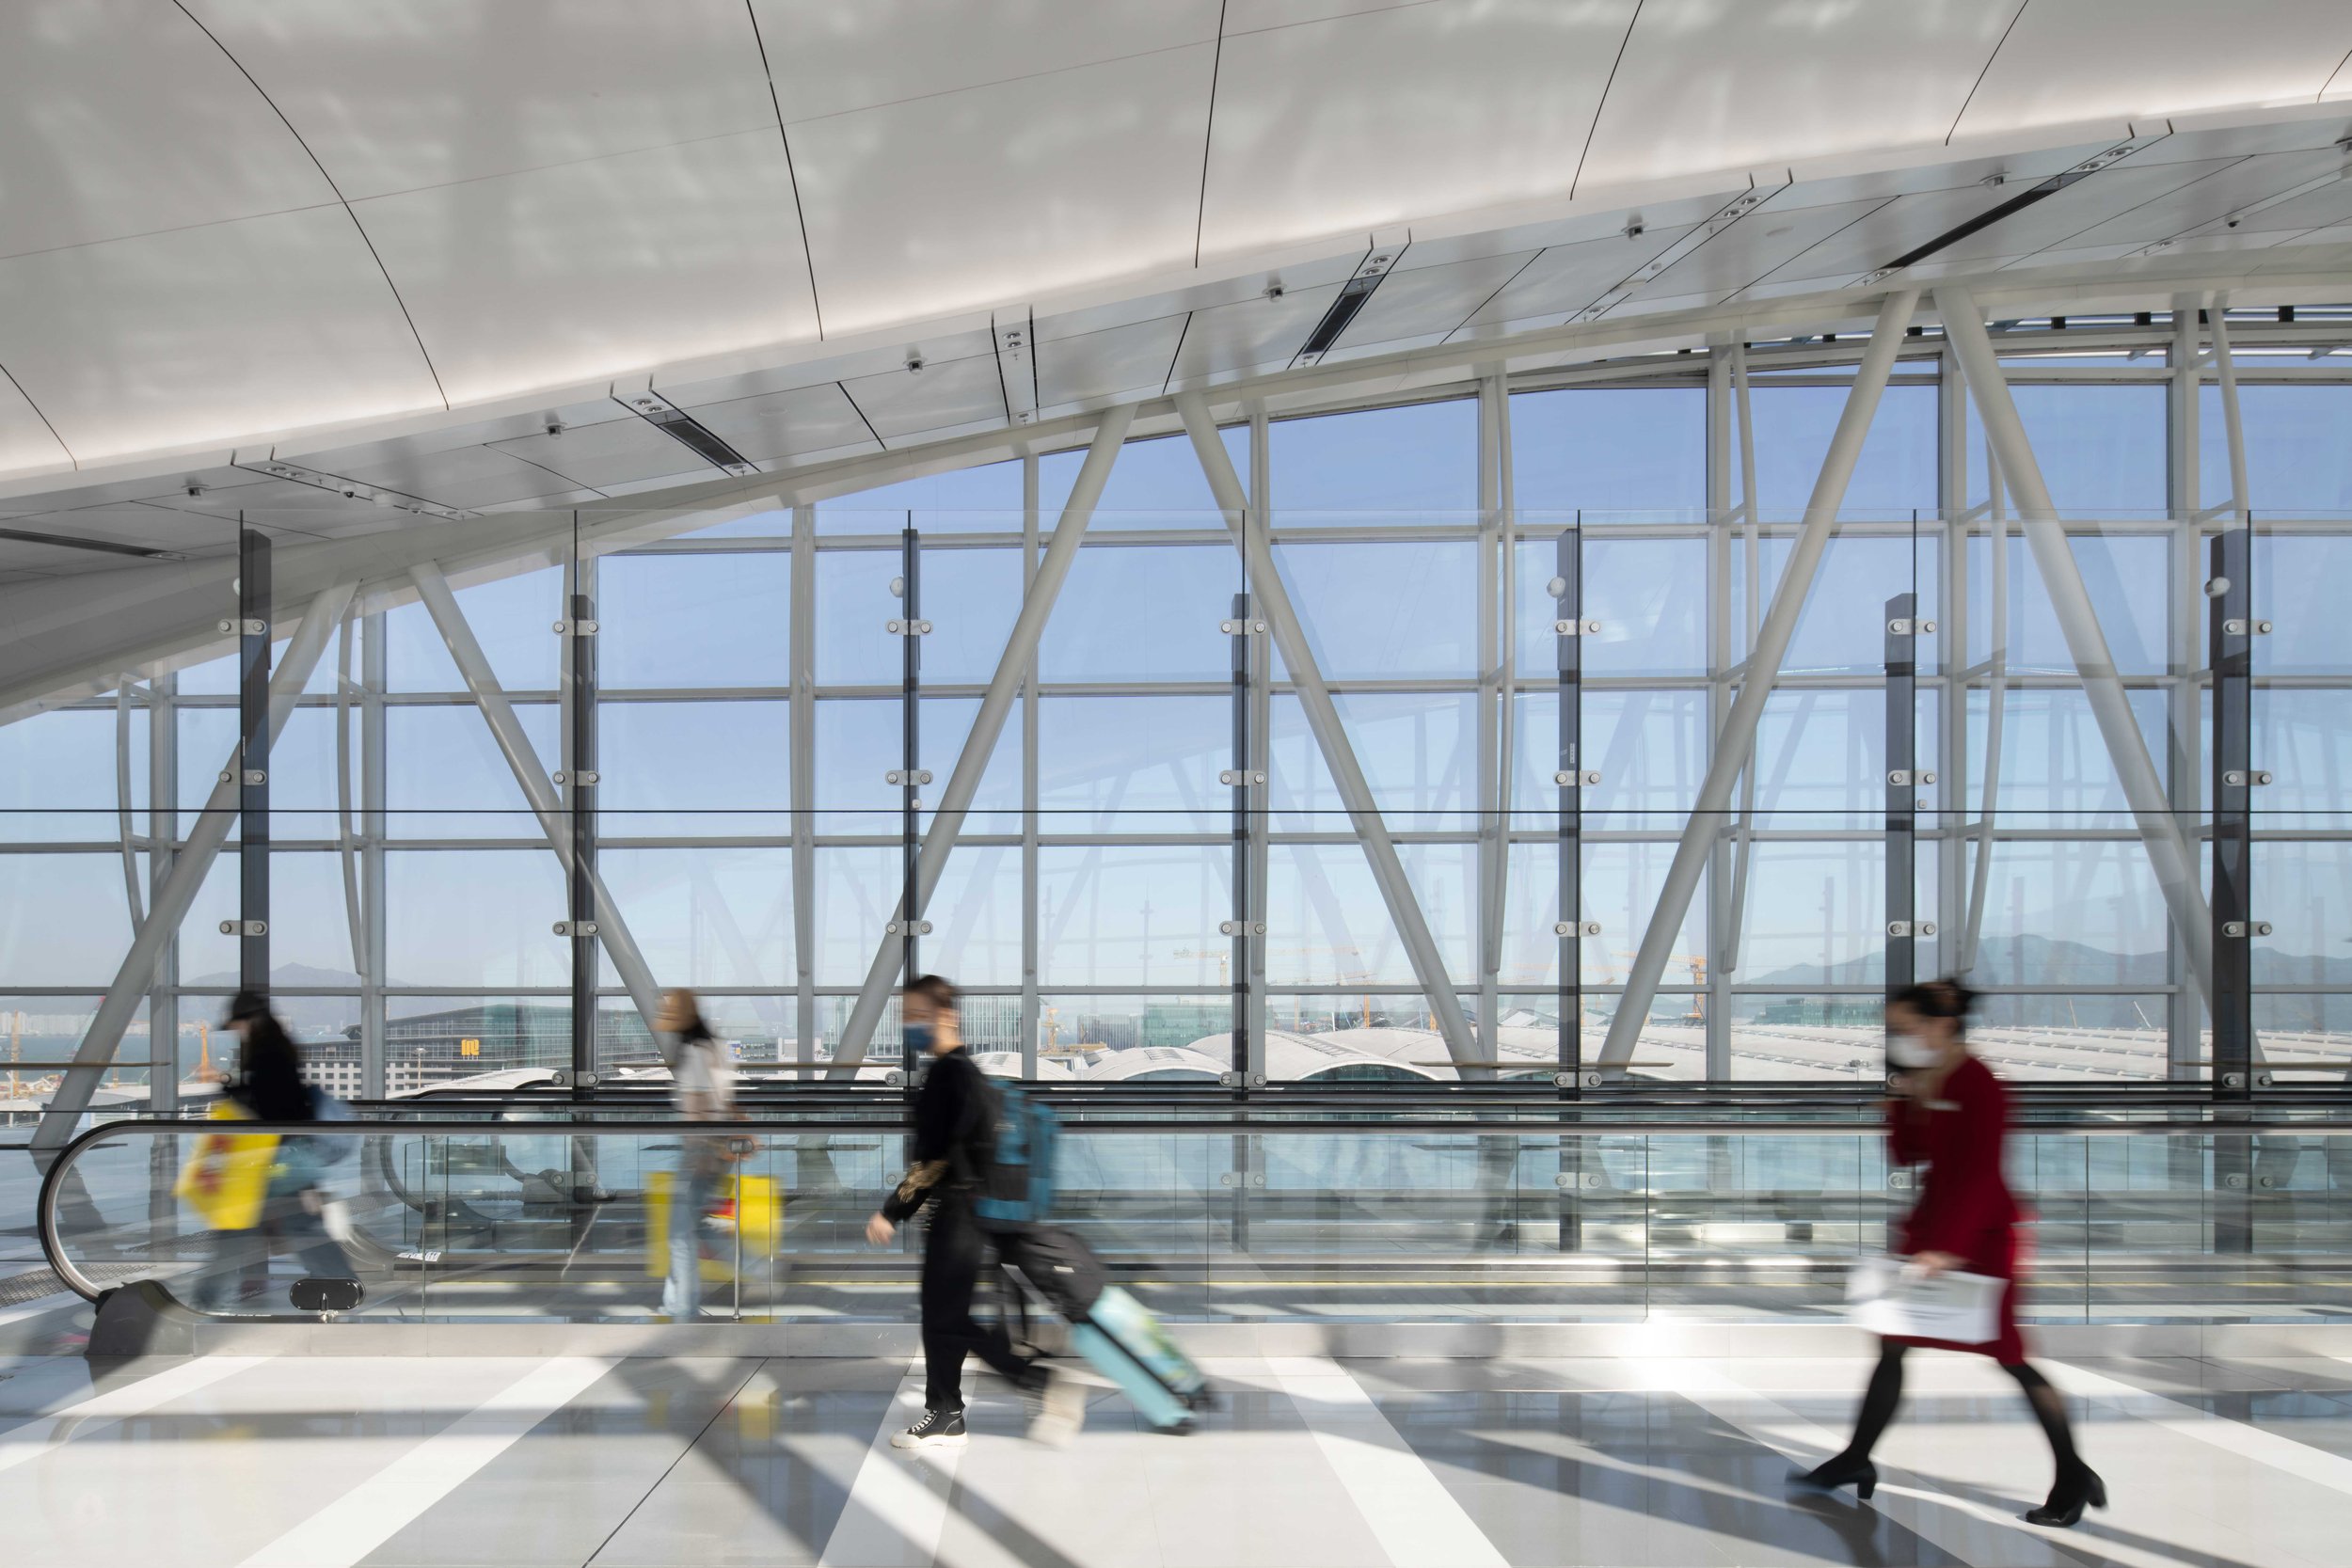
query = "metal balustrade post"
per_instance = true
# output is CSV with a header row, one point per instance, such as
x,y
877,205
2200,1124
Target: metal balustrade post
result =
x,y
579,784
252,763
1569,803
1242,781
803,762
1902,790
911,891
2231,597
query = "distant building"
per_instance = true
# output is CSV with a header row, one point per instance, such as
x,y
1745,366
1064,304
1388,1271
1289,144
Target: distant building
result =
x,y
491,1036
1177,1024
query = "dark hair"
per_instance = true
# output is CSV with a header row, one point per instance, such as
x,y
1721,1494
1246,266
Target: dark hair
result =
x,y
1944,998
937,989
269,1068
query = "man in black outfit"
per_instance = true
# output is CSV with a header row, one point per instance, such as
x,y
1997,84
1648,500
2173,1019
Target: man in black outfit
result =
x,y
955,1137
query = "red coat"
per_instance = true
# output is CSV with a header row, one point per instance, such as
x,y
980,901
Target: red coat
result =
x,y
1964,1207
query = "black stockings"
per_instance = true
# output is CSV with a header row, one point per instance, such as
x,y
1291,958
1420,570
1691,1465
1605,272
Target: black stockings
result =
x,y
1886,1391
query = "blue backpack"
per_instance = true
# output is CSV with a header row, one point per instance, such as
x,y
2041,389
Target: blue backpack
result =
x,y
1019,1186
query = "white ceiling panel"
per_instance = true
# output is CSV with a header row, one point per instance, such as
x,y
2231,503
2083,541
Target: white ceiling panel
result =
x,y
2080,59
1413,301
1567,278
907,402
398,449
928,347
629,261
1253,16
129,523
1896,229
170,488
210,334
120,116
829,58
999,193
550,503
1749,250
2320,208
396,95
1092,365
617,453
788,424
285,503
1734,83
466,477
2211,199
28,445
2084,204
1375,118
1255,333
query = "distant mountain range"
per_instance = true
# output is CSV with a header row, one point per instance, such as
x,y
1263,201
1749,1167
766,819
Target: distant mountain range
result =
x,y
2037,961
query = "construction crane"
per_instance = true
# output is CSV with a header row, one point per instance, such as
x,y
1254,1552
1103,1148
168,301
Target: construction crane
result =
x,y
1224,957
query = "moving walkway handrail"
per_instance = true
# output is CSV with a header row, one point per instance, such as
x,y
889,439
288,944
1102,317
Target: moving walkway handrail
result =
x,y
1565,1121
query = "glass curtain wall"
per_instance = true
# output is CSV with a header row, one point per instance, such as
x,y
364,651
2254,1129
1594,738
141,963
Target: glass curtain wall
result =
x,y
1177,857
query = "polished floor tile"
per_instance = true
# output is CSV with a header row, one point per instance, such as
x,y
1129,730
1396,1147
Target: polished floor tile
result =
x,y
406,1463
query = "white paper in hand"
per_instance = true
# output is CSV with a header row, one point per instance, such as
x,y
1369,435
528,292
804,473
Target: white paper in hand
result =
x,y
1888,1295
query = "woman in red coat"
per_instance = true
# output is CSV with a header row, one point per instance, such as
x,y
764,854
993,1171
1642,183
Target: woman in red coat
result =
x,y
1951,1115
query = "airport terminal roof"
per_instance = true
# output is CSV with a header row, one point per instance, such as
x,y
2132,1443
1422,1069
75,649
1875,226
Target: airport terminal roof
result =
x,y
277,254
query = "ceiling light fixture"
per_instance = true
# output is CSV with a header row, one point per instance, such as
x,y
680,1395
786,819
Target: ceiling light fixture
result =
x,y
104,546
1352,297
690,433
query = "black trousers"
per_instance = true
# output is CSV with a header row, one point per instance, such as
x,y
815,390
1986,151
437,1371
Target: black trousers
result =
x,y
952,1255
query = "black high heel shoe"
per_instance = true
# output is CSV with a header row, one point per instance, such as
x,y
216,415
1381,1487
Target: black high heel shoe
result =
x,y
1840,1471
2073,1489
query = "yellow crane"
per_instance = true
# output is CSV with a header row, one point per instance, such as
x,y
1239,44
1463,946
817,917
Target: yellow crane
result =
x,y
1697,1017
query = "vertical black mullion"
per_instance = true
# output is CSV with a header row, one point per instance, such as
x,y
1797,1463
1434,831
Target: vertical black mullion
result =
x,y
2234,926
1569,628
910,786
253,834
1570,928
580,679
1902,789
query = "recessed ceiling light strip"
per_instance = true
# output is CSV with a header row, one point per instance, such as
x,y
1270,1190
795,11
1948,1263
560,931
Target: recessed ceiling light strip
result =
x,y
104,547
689,432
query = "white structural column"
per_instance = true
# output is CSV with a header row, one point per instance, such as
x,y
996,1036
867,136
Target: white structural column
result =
x,y
611,931
1737,743
1012,668
1323,721
178,892
2168,853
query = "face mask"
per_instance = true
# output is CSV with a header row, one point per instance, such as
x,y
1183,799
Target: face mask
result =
x,y
919,1035
1910,1051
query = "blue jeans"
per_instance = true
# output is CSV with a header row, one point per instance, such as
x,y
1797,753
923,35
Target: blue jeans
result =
x,y
689,1200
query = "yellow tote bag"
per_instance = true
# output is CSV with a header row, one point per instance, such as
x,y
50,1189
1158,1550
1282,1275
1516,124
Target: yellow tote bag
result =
x,y
758,1205
227,1177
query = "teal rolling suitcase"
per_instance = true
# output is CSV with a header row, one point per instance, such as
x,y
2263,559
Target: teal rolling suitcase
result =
x,y
1123,1340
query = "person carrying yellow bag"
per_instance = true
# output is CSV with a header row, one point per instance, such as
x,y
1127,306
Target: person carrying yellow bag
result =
x,y
227,1175
256,1188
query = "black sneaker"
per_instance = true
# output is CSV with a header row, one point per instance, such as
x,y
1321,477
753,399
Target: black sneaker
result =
x,y
938,1428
